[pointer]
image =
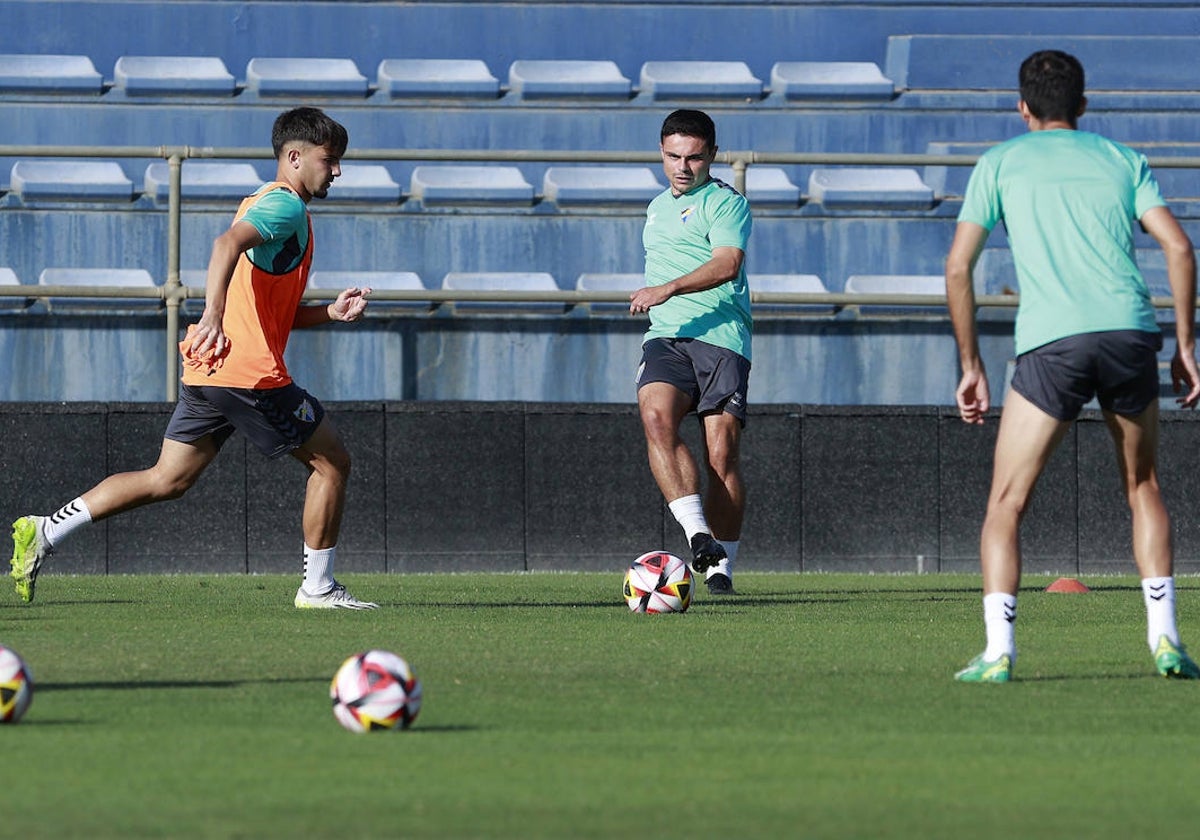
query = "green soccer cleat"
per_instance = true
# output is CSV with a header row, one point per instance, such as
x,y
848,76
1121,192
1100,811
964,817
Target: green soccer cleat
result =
x,y
1172,661
982,670
29,550
336,598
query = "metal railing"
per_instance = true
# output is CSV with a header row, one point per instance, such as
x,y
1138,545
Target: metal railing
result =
x,y
173,292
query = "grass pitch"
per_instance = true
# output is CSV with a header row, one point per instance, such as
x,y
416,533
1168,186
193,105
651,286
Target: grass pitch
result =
x,y
816,706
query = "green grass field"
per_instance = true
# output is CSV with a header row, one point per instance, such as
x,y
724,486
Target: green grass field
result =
x,y
815,706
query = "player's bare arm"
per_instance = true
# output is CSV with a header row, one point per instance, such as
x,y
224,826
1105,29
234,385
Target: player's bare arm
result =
x,y
725,265
348,306
1160,223
972,393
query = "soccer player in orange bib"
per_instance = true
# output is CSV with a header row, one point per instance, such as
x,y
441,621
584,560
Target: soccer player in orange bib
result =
x,y
234,377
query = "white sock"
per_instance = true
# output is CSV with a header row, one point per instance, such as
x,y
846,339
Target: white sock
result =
x,y
68,518
689,512
1000,622
725,567
318,569
1159,595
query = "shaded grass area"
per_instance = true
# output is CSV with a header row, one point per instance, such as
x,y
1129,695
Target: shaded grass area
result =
x,y
807,706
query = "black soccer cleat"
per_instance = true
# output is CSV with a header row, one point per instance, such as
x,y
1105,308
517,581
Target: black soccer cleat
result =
x,y
706,553
719,584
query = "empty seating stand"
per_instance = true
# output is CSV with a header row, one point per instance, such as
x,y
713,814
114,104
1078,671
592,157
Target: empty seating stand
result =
x,y
10,282
49,74
856,80
204,180
621,283
487,185
65,180
305,77
898,284
503,281
808,284
129,278
890,189
402,78
699,80
568,79
766,186
377,281
365,182
172,76
589,186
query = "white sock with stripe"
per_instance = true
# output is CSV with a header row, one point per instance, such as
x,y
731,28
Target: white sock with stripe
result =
x,y
1158,593
64,521
1000,622
318,569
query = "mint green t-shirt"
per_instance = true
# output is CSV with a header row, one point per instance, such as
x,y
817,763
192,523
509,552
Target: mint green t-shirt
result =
x,y
281,218
679,237
1068,200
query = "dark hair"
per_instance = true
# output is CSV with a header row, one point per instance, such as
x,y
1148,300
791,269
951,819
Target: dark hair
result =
x,y
308,125
690,124
1052,85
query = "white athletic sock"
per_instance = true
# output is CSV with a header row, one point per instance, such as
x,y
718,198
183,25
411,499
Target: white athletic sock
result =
x,y
689,512
725,567
1159,595
1000,620
60,524
318,569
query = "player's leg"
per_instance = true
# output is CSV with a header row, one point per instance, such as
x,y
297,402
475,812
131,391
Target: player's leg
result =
x,y
725,495
1025,441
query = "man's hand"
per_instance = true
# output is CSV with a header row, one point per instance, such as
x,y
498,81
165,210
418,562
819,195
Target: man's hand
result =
x,y
972,397
647,296
349,305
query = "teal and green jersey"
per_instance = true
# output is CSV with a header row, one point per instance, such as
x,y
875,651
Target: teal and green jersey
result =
x,y
680,234
1068,200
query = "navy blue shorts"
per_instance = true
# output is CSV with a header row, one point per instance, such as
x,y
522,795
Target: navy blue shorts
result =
x,y
1119,368
715,378
275,420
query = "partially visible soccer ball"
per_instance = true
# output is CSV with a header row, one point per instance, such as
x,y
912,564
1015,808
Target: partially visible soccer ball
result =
x,y
375,690
16,686
658,582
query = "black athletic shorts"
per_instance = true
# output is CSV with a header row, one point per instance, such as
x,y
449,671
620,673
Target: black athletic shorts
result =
x,y
275,420
715,378
1119,368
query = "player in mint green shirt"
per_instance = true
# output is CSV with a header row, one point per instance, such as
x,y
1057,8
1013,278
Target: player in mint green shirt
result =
x,y
696,354
1085,329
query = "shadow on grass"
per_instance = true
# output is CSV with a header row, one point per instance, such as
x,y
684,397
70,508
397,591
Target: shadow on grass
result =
x,y
126,685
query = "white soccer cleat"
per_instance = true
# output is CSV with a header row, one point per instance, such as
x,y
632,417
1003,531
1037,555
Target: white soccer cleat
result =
x,y
336,598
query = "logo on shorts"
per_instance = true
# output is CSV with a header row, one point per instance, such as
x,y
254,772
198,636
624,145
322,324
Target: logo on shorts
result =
x,y
685,214
641,369
737,400
304,412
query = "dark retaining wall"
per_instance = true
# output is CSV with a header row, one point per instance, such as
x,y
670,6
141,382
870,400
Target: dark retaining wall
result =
x,y
513,486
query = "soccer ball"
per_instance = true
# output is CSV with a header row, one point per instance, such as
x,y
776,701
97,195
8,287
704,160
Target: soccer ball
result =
x,y
16,686
658,582
375,690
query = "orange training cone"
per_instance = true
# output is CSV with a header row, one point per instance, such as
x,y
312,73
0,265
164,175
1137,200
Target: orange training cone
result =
x,y
1066,584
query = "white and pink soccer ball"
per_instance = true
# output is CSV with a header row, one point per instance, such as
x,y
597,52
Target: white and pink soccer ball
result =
x,y
658,582
375,691
16,686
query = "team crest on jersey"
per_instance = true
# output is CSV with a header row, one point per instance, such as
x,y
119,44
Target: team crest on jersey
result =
x,y
685,214
304,412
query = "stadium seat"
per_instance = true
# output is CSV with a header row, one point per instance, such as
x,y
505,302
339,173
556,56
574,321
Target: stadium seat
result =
x,y
204,180
568,79
860,80
809,284
766,186
503,281
452,184
365,182
699,80
86,180
892,189
9,279
378,281
951,180
624,283
898,284
49,74
436,77
304,76
592,185
172,76
131,278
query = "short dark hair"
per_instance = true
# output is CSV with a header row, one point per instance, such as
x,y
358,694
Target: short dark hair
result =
x,y
1052,85
309,125
690,124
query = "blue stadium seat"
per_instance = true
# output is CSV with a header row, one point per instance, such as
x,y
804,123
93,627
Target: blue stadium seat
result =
x,y
592,185
568,79
808,284
625,283
49,74
951,180
898,284
8,278
699,80
859,80
131,278
172,76
503,281
895,189
204,180
365,182
766,186
404,281
436,77
453,184
58,180
305,76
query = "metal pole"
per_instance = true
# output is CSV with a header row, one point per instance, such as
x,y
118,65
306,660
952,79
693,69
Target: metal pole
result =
x,y
173,296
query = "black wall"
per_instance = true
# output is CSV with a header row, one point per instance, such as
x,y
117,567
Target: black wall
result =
x,y
515,486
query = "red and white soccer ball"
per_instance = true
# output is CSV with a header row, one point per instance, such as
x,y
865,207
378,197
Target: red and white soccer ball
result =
x,y
375,691
658,582
16,686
